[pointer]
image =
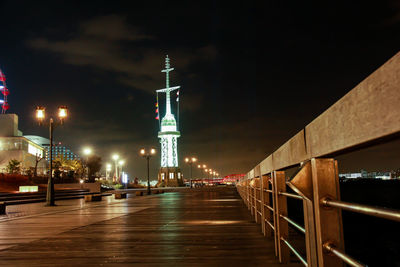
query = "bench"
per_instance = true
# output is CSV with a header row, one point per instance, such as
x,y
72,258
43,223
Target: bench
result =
x,y
120,195
93,197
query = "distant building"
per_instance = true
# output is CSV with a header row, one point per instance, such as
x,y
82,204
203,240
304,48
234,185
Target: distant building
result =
x,y
58,149
15,146
365,174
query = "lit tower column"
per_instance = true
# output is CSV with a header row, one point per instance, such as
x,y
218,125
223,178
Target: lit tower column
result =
x,y
169,174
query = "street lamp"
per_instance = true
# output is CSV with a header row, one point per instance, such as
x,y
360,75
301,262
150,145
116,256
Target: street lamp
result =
x,y
87,151
147,155
108,170
120,163
190,161
115,157
40,116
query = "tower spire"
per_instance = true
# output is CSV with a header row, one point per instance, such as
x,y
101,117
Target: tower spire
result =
x,y
167,88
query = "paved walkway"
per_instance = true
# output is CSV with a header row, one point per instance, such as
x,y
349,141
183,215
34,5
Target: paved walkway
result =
x,y
187,228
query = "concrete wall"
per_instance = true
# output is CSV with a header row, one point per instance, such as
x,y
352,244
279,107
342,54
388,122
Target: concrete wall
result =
x,y
9,125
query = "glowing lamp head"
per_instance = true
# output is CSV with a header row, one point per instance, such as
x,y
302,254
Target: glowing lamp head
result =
x,y
121,162
194,159
204,166
152,151
199,166
142,151
62,112
108,167
206,170
87,151
186,159
40,113
115,157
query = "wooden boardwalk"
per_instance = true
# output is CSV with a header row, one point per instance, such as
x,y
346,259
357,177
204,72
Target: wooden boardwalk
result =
x,y
202,227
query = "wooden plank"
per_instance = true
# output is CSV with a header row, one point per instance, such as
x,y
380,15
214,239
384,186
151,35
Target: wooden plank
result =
x,y
202,227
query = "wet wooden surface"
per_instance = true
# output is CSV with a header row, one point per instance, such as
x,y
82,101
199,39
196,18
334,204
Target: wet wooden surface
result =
x,y
200,227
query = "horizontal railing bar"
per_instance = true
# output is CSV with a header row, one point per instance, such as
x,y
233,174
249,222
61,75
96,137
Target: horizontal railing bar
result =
x,y
270,224
364,209
258,200
259,212
290,195
340,254
269,207
295,252
293,223
268,190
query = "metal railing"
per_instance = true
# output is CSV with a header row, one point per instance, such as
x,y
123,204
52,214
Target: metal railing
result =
x,y
316,183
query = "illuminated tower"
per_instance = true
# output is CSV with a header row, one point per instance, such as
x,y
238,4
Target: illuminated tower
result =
x,y
169,174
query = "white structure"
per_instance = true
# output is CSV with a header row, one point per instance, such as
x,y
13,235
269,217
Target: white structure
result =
x,y
169,172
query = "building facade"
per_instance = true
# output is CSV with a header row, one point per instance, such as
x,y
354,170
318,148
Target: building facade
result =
x,y
15,146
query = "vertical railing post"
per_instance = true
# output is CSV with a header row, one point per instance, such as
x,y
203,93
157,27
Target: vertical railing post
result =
x,y
248,193
273,186
328,221
262,183
257,194
309,226
281,228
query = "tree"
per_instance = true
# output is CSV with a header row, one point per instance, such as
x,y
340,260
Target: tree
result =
x,y
94,165
37,160
13,166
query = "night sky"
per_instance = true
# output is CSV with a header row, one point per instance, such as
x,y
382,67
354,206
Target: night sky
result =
x,y
252,73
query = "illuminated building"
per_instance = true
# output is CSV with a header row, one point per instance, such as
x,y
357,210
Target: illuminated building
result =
x,y
15,146
169,174
59,151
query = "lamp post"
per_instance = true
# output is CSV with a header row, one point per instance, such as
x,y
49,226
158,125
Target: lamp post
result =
x,y
108,170
87,151
120,163
115,157
190,161
147,155
204,166
40,116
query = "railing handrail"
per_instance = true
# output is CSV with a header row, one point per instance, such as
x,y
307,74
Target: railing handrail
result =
x,y
343,256
385,213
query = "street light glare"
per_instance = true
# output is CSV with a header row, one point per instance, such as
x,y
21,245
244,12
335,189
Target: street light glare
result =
x,y
194,159
62,112
87,151
115,157
199,166
204,166
186,159
152,151
142,151
121,162
40,113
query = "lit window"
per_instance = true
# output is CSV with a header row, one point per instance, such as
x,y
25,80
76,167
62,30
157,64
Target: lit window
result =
x,y
179,175
171,175
162,176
